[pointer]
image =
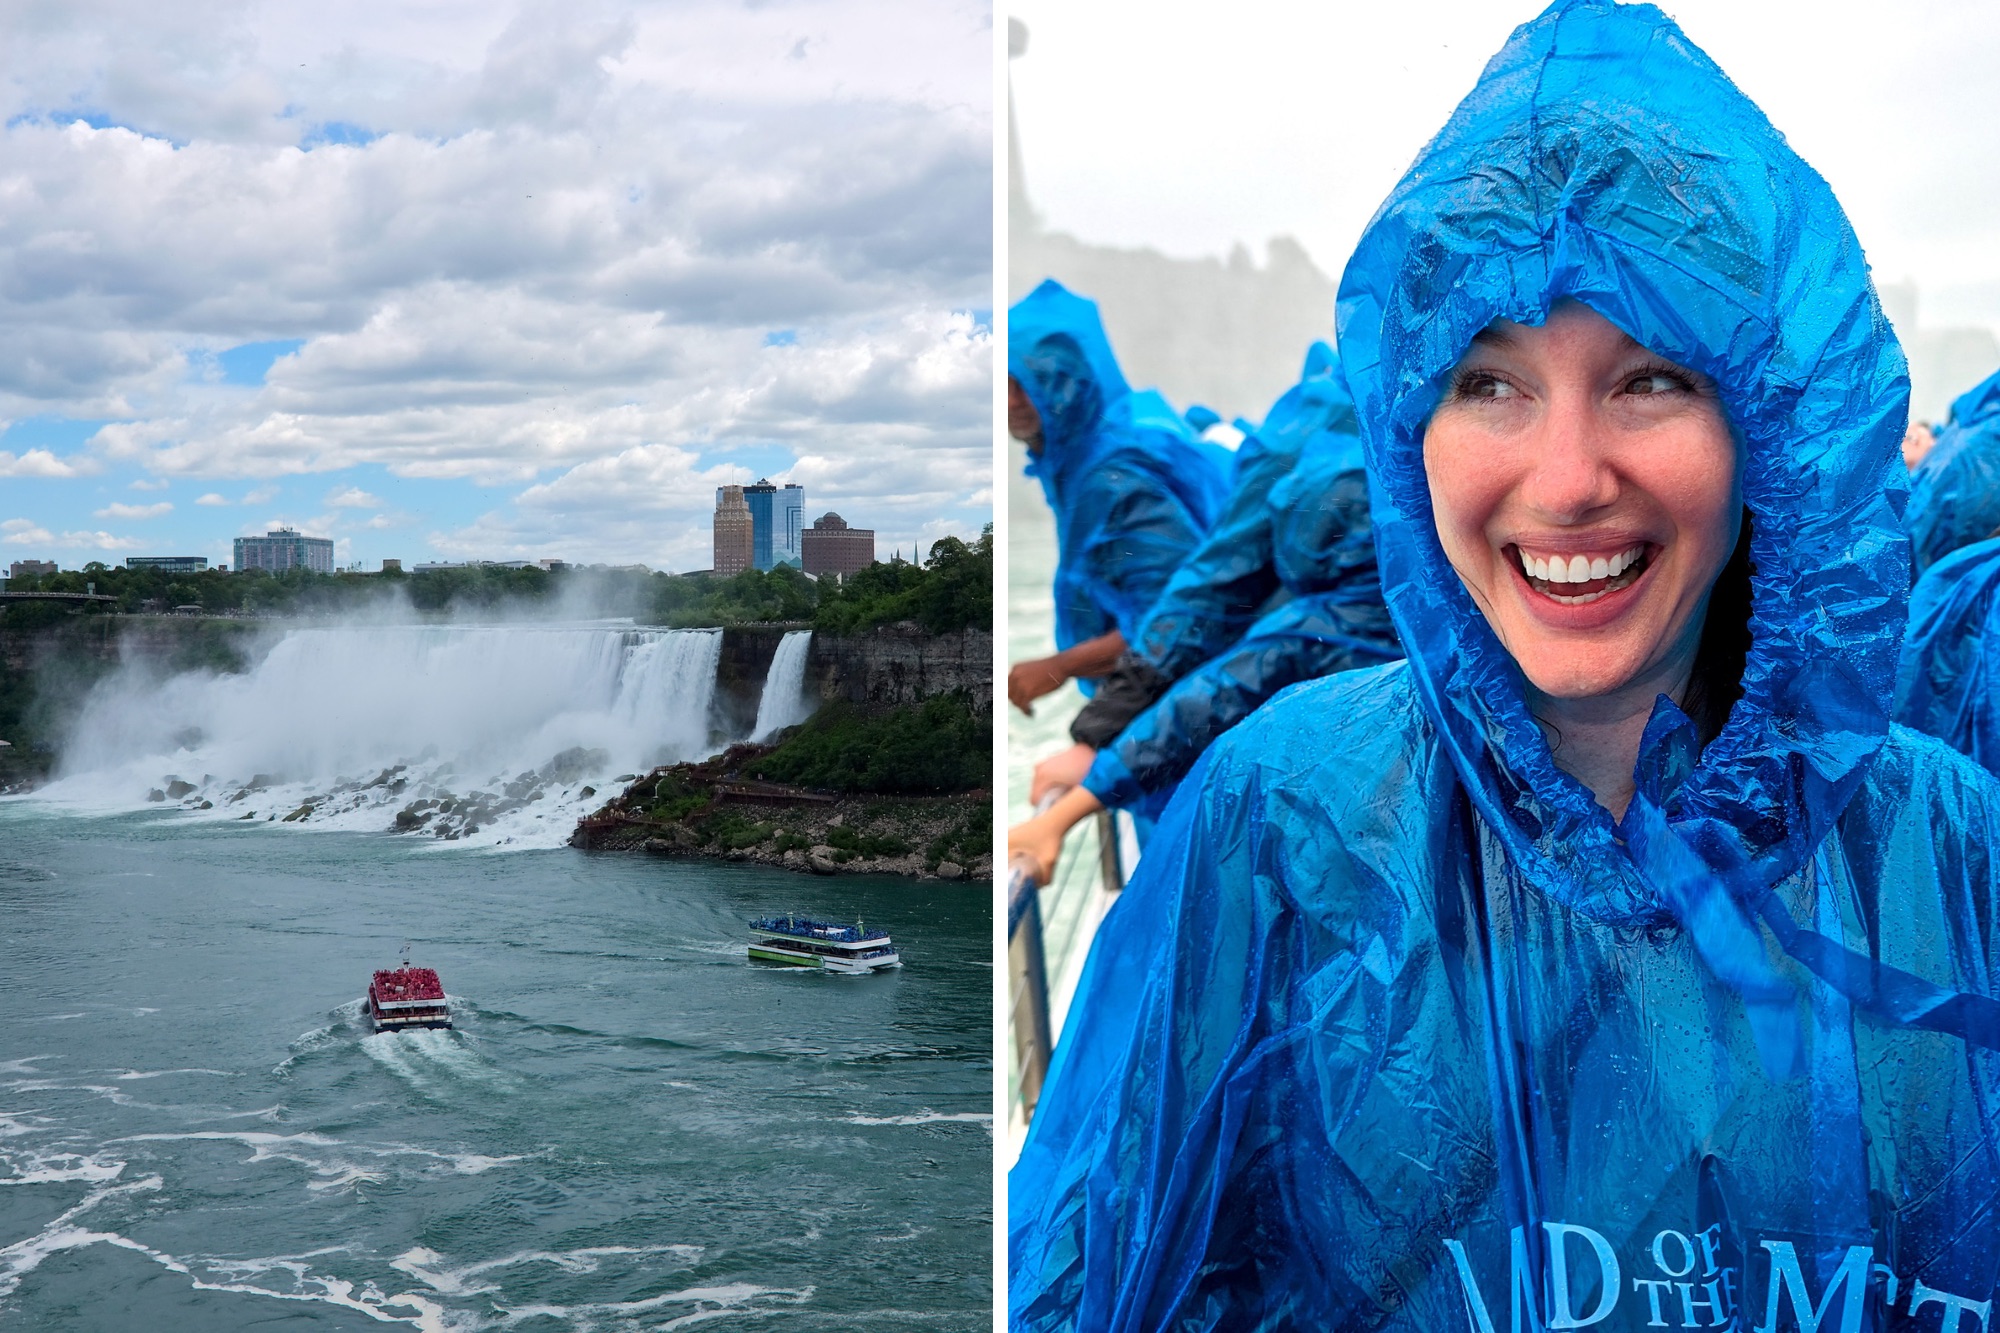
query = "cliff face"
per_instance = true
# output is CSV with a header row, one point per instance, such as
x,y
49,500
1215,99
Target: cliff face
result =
x,y
893,664
95,643
902,664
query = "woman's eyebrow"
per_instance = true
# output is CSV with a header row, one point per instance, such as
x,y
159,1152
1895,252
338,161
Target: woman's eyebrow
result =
x,y
1493,335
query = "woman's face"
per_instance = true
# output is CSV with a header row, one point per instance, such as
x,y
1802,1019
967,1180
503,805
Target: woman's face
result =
x,y
1587,493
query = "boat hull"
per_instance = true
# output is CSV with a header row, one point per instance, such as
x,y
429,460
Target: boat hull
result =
x,y
393,1024
765,952
390,1020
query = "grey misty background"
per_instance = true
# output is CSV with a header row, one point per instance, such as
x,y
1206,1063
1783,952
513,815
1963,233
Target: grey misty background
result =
x,y
1231,333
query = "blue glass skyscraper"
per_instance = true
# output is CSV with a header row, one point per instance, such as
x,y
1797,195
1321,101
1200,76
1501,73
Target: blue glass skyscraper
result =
x,y
777,518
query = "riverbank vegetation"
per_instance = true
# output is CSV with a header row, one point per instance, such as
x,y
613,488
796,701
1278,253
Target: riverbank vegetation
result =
x,y
891,790
943,744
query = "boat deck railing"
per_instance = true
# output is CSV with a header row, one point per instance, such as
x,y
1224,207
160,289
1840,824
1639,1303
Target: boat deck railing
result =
x,y
1049,930
802,928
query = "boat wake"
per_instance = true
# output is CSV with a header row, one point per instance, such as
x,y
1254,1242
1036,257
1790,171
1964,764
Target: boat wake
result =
x,y
436,1062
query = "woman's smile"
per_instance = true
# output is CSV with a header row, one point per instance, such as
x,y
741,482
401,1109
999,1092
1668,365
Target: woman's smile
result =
x,y
1577,579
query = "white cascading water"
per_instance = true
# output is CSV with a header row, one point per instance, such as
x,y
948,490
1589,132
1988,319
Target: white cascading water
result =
x,y
784,703
487,734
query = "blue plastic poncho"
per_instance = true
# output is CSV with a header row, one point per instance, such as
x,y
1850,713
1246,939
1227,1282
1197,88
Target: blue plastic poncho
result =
x,y
1132,490
1394,1029
1228,581
1946,683
1319,553
1955,492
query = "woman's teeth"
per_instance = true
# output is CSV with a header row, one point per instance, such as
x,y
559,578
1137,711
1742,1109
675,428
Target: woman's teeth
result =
x,y
1611,572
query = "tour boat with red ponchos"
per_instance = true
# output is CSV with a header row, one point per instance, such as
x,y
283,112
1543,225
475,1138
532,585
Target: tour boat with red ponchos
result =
x,y
407,997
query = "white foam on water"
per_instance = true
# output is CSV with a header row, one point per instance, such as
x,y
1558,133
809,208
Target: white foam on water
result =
x,y
54,1161
22,1258
52,1168
434,1060
314,732
736,1299
426,1265
133,1074
335,1164
926,1117
784,703
25,1256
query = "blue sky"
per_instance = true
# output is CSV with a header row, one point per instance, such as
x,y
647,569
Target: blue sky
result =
x,y
489,281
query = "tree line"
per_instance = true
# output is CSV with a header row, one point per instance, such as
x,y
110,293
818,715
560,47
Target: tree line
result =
x,y
952,589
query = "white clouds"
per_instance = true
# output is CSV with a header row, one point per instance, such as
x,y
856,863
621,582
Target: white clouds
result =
x,y
27,532
42,463
130,512
211,499
100,541
561,233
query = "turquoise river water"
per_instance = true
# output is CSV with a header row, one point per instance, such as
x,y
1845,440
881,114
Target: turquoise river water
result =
x,y
632,1127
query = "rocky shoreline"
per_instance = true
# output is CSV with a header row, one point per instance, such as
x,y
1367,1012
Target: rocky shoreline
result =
x,y
709,811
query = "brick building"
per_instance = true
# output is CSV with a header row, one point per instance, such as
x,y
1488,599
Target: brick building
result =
x,y
735,540
831,547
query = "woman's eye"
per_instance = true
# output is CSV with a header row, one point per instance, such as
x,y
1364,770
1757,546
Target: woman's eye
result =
x,y
1485,386
1651,383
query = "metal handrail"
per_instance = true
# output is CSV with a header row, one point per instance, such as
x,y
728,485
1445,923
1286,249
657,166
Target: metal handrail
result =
x,y
1027,967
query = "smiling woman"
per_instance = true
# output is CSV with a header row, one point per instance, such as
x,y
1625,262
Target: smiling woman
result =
x,y
1614,949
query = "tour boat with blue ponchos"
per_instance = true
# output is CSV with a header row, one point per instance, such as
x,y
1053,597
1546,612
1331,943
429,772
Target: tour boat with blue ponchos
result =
x,y
798,941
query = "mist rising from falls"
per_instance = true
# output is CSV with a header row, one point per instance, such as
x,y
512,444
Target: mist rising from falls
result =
x,y
488,733
784,703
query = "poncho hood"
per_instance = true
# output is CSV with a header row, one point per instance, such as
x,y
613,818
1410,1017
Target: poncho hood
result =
x,y
1603,157
1131,488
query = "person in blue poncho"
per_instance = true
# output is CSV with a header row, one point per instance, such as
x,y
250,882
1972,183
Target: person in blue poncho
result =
x,y
1943,686
1955,486
1613,962
1131,489
1283,589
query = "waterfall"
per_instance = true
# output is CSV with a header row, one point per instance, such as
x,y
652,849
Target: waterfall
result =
x,y
499,729
784,703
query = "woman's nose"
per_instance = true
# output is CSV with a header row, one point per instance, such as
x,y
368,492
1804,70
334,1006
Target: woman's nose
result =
x,y
1570,478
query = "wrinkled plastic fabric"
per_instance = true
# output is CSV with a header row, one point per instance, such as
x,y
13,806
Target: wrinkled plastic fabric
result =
x,y
1950,671
1131,489
1329,617
1955,492
1305,638
1231,579
1394,1027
